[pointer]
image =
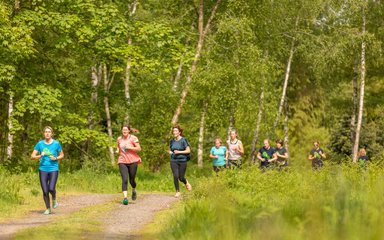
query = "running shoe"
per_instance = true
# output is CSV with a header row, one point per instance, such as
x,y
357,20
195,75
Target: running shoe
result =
x,y
47,212
125,201
177,195
134,195
55,204
188,186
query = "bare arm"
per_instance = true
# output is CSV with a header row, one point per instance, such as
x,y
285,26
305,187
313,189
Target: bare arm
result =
x,y
213,156
186,151
61,156
274,158
259,157
36,155
240,149
136,148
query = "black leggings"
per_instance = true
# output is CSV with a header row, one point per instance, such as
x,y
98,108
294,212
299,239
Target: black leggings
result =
x,y
48,185
125,170
178,170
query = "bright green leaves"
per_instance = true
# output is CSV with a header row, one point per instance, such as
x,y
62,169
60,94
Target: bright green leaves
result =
x,y
76,135
42,101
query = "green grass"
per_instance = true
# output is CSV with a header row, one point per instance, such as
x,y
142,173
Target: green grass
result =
x,y
84,224
338,202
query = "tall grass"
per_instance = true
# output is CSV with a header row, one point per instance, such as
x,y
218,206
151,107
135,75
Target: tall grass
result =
x,y
338,202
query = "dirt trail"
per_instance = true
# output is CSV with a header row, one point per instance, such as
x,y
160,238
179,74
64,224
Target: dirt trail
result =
x,y
67,205
122,222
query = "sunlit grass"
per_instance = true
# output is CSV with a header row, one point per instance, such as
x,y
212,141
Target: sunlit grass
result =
x,y
338,202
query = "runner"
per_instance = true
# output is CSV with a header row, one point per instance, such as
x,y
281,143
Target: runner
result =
x,y
316,156
235,150
281,155
363,158
219,154
179,151
127,146
48,151
266,155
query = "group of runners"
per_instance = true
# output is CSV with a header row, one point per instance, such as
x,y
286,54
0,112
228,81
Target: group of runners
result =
x,y
49,152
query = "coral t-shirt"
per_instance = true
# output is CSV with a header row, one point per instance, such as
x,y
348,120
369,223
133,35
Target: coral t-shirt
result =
x,y
128,156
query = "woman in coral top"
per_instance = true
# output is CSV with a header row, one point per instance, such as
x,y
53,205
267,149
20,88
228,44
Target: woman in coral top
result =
x,y
127,146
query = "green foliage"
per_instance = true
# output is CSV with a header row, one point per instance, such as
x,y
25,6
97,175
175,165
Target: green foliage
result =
x,y
336,202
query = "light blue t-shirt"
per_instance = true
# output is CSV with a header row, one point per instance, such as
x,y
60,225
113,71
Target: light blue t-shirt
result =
x,y
220,152
52,149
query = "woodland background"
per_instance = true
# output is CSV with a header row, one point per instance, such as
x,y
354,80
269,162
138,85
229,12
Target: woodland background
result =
x,y
298,70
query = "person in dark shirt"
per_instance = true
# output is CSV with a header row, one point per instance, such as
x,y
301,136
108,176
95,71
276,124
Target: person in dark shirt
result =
x,y
316,155
363,158
281,155
266,155
179,151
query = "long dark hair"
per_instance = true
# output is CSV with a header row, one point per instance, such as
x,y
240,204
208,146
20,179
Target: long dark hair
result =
x,y
178,128
131,129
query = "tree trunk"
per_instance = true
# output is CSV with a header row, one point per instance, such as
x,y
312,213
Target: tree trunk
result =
x,y
361,101
128,67
257,129
354,102
285,85
95,76
199,47
231,124
107,85
10,126
286,129
200,147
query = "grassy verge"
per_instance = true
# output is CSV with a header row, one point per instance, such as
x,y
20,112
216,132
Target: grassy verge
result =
x,y
338,202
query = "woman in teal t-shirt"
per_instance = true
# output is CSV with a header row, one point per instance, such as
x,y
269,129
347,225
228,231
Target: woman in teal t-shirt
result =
x,y
48,151
219,154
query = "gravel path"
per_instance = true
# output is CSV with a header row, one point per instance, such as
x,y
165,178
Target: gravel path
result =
x,y
67,205
124,221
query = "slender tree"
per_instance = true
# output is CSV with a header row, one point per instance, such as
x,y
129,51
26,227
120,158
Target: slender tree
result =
x,y
362,90
202,34
200,146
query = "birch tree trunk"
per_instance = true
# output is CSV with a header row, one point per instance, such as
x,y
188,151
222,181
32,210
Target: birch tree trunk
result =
x,y
127,76
200,147
107,85
257,128
286,129
95,76
361,100
231,124
354,103
202,33
285,85
10,126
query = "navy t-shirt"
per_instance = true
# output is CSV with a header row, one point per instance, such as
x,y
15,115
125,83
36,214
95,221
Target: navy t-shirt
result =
x,y
316,154
180,145
266,154
363,160
281,151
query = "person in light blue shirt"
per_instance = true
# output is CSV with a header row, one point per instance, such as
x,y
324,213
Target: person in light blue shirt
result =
x,y
219,155
49,152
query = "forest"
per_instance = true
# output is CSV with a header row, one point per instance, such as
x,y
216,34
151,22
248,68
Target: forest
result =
x,y
296,70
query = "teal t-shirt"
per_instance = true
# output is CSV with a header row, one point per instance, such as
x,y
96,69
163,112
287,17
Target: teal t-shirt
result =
x,y
52,149
220,152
